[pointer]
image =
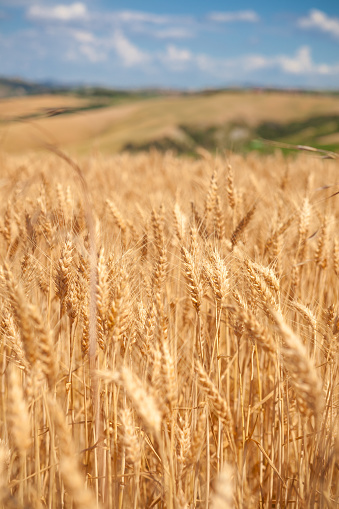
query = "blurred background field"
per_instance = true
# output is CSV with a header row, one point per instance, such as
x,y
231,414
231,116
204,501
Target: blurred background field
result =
x,y
84,120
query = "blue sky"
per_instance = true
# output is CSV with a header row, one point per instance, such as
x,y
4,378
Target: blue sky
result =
x,y
183,44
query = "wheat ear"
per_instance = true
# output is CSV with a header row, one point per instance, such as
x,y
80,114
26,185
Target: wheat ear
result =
x,y
301,369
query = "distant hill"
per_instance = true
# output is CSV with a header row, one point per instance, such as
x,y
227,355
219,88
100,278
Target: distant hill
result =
x,y
84,119
16,87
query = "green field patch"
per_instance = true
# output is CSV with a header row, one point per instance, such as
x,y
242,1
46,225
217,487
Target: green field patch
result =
x,y
318,132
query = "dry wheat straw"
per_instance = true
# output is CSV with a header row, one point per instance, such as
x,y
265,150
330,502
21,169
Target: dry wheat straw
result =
x,y
214,397
230,187
63,273
130,438
262,285
69,468
5,457
17,414
242,225
223,496
143,402
217,274
301,369
194,283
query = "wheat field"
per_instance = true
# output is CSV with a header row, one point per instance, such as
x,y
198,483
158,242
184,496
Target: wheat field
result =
x,y
169,331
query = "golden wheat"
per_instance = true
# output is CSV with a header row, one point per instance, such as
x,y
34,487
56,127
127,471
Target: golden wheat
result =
x,y
169,332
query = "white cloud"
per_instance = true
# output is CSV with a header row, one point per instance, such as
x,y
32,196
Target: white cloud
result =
x,y
177,55
180,58
238,67
130,54
173,33
255,62
141,17
145,23
59,12
320,21
154,25
83,36
97,48
301,63
92,54
206,64
231,17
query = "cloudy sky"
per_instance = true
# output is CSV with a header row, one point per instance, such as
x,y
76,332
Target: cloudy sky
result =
x,y
184,44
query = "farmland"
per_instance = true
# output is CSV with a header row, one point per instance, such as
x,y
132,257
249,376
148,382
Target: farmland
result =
x,y
169,306
230,120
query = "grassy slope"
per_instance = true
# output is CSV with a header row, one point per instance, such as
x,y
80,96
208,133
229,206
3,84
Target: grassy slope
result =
x,y
32,105
111,128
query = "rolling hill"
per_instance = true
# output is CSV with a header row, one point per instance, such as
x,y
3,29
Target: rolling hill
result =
x,y
217,120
